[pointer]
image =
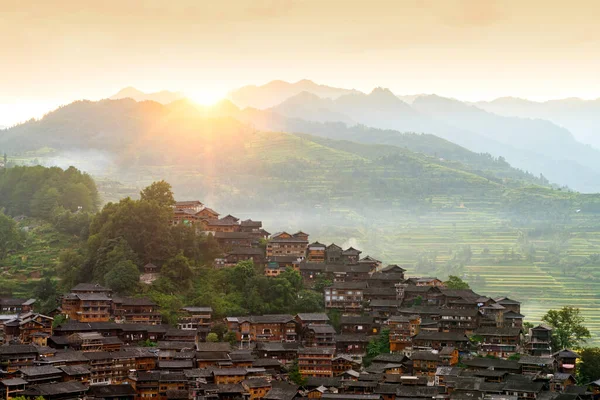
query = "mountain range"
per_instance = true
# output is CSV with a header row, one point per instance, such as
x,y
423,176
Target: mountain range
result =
x,y
163,97
219,153
489,144
535,145
581,117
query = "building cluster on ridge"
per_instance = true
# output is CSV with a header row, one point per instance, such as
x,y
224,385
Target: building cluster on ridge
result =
x,y
444,343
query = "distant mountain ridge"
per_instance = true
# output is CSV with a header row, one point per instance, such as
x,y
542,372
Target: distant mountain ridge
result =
x,y
163,97
538,146
581,117
216,147
275,92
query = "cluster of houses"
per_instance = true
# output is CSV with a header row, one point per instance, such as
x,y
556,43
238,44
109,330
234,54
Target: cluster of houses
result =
x,y
444,343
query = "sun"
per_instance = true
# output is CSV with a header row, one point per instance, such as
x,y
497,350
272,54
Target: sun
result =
x,y
206,97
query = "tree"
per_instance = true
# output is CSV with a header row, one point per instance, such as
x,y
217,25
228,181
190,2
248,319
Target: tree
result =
x,y
295,376
9,235
230,337
568,329
377,346
454,282
220,329
179,271
589,365
69,269
212,337
123,278
45,292
161,192
59,319
321,283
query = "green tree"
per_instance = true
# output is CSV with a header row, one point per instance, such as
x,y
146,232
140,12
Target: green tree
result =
x,y
69,269
179,271
220,329
45,293
113,252
10,237
161,192
230,337
44,202
59,319
377,346
309,301
212,337
123,278
455,282
588,368
295,376
568,326
321,283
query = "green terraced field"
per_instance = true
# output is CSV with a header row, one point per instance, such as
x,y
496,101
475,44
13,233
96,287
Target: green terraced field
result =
x,y
538,284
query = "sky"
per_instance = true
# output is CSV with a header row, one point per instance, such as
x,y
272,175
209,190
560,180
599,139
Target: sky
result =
x,y
54,52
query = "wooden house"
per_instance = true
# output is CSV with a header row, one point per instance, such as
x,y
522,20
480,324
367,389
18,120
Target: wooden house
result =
x,y
352,343
285,244
305,319
228,223
16,306
266,328
136,310
350,256
438,340
539,340
16,356
237,254
231,240
402,329
56,390
315,252
195,318
318,335
345,296
258,388
499,342
316,361
333,254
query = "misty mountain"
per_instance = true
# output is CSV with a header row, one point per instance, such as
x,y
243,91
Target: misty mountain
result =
x,y
581,117
163,97
538,146
275,92
205,152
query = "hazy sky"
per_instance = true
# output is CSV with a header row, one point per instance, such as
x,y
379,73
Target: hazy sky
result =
x,y
56,51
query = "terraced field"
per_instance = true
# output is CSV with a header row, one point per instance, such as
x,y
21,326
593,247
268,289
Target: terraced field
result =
x,y
498,265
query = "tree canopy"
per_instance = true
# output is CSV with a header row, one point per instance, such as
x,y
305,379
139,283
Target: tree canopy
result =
x,y
568,326
454,282
9,235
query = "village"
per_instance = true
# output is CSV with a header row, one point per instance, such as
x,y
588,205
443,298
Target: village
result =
x,y
439,342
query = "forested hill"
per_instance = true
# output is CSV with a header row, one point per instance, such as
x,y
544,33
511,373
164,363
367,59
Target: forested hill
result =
x,y
213,154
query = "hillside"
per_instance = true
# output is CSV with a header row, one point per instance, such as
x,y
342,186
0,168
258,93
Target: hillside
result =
x,y
208,153
415,199
537,146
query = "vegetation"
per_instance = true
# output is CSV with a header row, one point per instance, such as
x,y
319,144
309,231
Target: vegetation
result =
x,y
569,329
454,282
588,368
377,346
295,376
9,235
39,191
